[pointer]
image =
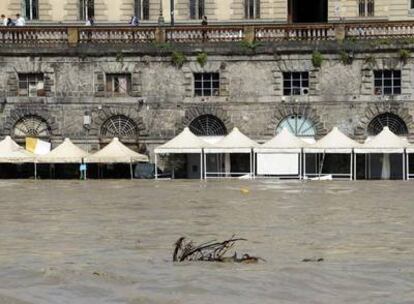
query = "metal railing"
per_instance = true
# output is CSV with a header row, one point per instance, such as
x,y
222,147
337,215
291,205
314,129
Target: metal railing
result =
x,y
74,35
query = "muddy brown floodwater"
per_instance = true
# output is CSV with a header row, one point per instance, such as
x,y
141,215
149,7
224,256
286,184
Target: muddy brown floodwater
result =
x,y
100,242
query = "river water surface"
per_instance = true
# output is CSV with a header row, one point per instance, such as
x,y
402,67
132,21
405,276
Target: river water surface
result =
x,y
99,242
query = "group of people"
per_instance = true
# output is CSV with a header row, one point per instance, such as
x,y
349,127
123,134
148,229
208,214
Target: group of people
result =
x,y
8,21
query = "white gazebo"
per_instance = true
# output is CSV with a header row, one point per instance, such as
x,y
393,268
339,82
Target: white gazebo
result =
x,y
384,143
116,153
234,142
66,153
281,156
184,143
12,153
335,142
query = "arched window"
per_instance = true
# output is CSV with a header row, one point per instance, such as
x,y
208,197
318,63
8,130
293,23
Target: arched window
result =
x,y
86,9
119,126
31,125
298,125
142,9
197,9
392,121
208,125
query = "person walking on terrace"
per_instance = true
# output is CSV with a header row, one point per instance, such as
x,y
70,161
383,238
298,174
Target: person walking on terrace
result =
x,y
204,22
20,21
4,20
134,21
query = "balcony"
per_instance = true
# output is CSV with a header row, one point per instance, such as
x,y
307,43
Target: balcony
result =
x,y
49,36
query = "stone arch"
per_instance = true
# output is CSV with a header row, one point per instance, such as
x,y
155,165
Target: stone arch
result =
x,y
304,110
208,125
374,110
131,124
194,112
26,119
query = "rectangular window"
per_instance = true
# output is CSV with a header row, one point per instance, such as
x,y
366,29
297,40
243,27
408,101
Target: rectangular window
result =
x,y
86,9
412,4
197,9
387,82
295,83
251,9
31,9
366,8
31,85
206,84
117,84
142,9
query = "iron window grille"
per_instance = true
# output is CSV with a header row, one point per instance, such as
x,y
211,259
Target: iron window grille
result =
x,y
387,82
31,125
31,9
117,84
390,120
366,8
142,9
119,126
31,84
298,125
86,9
251,9
295,83
206,84
208,125
197,9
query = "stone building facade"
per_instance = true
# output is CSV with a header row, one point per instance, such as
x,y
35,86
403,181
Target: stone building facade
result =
x,y
146,97
281,11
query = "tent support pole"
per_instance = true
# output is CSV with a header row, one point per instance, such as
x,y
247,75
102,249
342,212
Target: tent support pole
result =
x,y
251,165
355,158
35,170
351,161
130,169
304,165
300,166
201,165
403,165
156,167
407,163
205,166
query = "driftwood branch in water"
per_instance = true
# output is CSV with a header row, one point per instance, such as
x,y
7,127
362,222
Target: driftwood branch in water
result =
x,y
211,251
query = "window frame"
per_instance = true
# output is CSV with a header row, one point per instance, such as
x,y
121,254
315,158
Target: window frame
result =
x,y
31,9
366,8
288,78
392,88
39,80
252,9
197,9
203,79
113,78
142,9
86,9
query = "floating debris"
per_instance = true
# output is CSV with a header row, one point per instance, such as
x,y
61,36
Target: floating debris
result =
x,y
313,260
212,251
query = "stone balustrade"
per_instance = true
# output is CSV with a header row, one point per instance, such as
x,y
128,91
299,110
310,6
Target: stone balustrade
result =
x,y
75,35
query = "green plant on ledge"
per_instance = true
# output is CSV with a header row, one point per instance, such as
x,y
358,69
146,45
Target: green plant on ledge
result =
x,y
119,57
178,59
317,59
404,55
202,59
250,45
346,58
371,61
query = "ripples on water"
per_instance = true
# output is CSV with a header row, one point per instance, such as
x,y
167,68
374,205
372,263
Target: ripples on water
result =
x,y
111,241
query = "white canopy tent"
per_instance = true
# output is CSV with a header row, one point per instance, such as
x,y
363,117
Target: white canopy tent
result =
x,y
409,150
385,143
280,156
66,153
12,153
184,143
234,142
116,153
335,142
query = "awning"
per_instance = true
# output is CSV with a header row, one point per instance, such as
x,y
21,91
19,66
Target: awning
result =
x,y
384,142
116,152
284,142
11,152
235,142
334,142
185,142
66,152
